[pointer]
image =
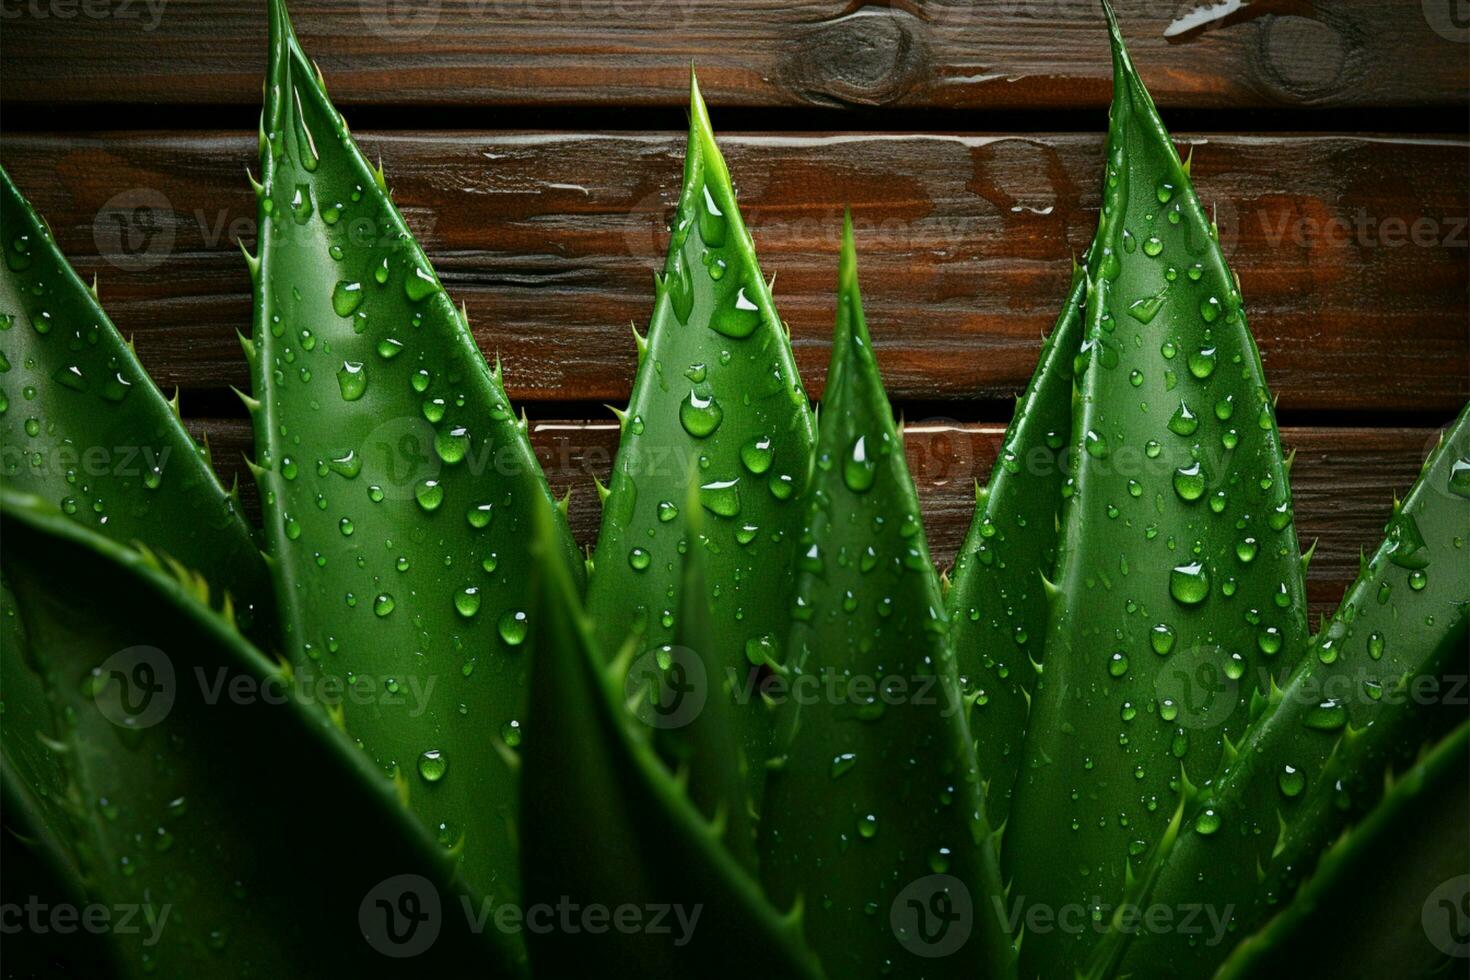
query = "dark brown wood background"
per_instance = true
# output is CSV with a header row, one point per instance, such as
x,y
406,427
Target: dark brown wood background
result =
x,y
535,147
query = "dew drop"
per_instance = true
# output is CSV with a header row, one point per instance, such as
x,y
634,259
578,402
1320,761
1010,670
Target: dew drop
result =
x,y
420,284
512,627
700,414
1327,715
1202,363
467,601
1183,422
346,297
1189,482
1189,584
721,497
432,765
1291,781
352,380
738,320
757,454
451,444
858,470
1460,477
430,494
761,649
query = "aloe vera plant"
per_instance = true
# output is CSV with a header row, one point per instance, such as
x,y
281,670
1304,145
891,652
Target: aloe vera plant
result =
x,y
766,739
675,859
874,791
997,602
172,795
82,425
717,395
397,484
1366,692
1379,910
1177,555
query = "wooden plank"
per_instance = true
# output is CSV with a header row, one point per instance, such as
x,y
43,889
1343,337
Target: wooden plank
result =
x,y
930,53
1343,481
965,248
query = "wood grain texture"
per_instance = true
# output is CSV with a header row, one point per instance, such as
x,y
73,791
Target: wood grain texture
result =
x,y
1352,251
929,53
1343,481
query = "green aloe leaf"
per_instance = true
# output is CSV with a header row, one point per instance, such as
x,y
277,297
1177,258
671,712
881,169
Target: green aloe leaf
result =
x,y
82,424
997,599
701,746
1389,894
1178,558
31,772
875,812
190,762
1385,674
611,836
397,485
716,392
39,864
